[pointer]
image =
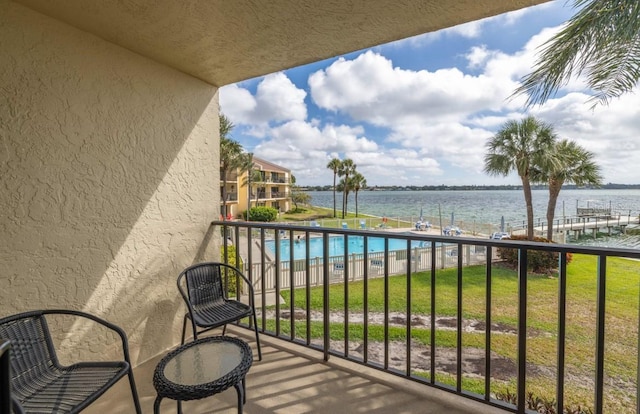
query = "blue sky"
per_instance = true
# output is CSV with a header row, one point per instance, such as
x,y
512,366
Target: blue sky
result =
x,y
419,111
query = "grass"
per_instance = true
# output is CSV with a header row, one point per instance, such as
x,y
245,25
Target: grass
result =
x,y
309,213
621,322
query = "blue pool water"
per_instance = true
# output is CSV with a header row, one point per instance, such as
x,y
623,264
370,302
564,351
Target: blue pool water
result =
x,y
355,244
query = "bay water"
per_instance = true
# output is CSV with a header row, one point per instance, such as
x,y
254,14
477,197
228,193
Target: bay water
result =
x,y
488,207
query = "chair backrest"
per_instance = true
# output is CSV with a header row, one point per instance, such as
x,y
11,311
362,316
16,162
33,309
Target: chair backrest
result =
x,y
32,351
204,284
5,376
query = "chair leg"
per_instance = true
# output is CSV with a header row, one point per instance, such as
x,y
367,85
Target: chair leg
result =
x,y
184,328
224,329
134,392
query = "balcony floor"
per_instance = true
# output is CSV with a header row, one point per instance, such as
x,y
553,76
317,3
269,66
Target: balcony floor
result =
x,y
294,379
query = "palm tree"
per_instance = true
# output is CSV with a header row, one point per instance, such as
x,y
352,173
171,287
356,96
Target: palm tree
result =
x,y
358,182
574,165
521,146
253,178
602,40
347,168
231,157
334,165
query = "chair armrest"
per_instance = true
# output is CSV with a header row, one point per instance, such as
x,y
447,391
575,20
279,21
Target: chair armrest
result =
x,y
246,279
106,324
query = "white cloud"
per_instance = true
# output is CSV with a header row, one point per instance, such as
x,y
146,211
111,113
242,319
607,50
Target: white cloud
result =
x,y
477,56
237,103
277,99
370,89
404,126
306,148
610,132
471,30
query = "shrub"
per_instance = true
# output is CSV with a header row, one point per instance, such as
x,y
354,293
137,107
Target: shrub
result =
x,y
264,214
538,261
230,277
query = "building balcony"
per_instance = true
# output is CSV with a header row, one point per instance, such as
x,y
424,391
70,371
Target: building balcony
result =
x,y
230,197
231,177
279,194
277,180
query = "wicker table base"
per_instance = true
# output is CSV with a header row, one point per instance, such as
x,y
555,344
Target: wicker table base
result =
x,y
201,369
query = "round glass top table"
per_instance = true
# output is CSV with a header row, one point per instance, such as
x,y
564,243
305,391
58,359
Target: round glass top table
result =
x,y
201,369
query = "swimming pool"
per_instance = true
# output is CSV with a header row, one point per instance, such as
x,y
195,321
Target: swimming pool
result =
x,y
355,244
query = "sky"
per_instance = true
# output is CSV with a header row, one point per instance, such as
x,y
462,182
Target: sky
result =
x,y
419,111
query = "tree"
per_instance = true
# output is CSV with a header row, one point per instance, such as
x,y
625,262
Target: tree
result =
x,y
519,147
252,178
297,195
358,182
574,164
334,165
347,168
231,157
602,40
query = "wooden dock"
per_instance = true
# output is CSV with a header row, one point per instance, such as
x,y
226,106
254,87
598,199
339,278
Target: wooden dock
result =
x,y
580,225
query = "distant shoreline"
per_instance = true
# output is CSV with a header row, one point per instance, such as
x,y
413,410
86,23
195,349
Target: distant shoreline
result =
x,y
475,187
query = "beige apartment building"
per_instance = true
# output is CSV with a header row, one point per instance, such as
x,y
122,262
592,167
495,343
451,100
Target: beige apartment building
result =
x,y
272,190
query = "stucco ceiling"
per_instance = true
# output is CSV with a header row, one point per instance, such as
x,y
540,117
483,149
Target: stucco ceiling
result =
x,y
226,41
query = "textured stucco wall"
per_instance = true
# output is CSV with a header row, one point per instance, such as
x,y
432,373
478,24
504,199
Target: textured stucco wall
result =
x,y
226,41
107,178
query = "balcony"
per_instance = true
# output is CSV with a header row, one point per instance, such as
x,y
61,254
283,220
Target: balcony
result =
x,y
279,194
231,197
231,177
371,307
354,359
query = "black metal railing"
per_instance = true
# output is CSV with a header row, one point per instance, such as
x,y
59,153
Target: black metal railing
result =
x,y
270,259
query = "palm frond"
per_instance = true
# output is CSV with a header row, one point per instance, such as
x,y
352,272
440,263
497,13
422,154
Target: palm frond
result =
x,y
602,40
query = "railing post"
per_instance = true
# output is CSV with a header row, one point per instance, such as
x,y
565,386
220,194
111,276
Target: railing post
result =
x,y
278,275
459,322
600,326
325,295
562,323
522,329
487,344
432,339
264,284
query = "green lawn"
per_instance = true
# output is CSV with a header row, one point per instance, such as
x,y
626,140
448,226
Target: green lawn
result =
x,y
309,213
621,320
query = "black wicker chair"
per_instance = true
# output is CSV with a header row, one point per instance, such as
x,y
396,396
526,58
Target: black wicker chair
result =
x,y
40,384
208,306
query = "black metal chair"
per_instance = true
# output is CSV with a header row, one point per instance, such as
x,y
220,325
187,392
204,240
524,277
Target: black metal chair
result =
x,y
40,384
208,306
